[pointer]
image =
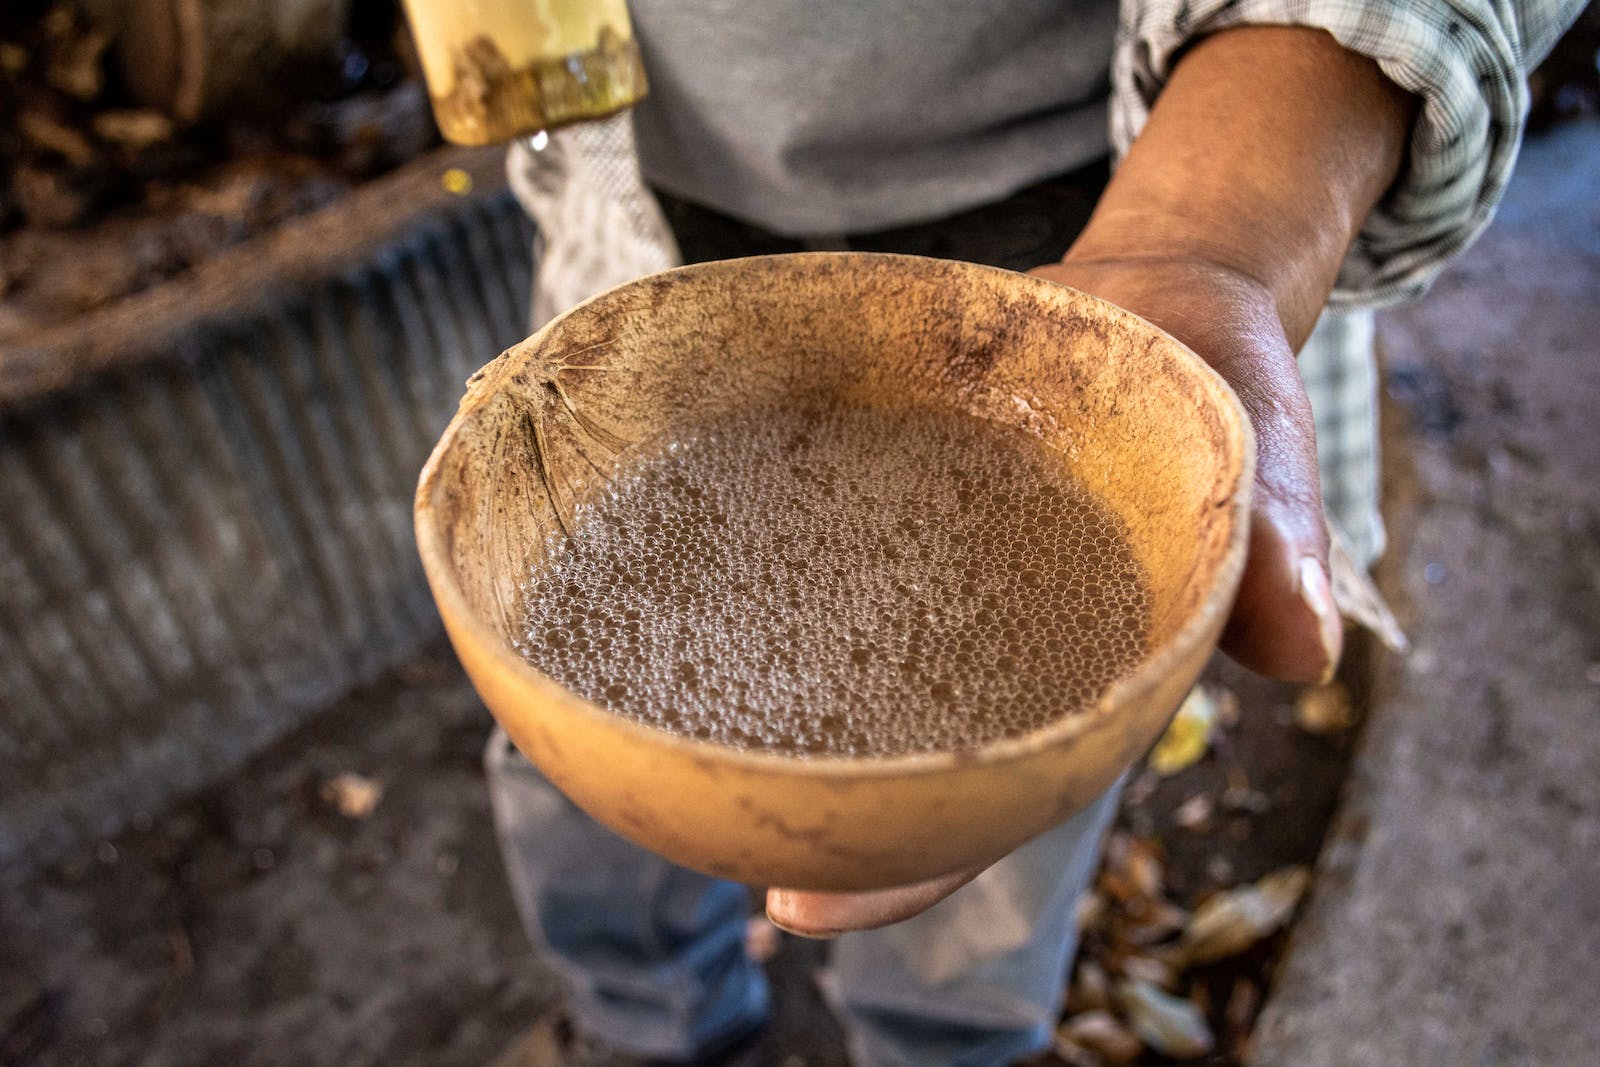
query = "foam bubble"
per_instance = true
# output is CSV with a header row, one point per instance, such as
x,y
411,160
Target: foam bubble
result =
x,y
841,581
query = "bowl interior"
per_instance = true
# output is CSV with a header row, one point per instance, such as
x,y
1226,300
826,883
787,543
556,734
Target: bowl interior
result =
x,y
1138,420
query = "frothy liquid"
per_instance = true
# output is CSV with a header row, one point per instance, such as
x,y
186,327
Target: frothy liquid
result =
x,y
841,581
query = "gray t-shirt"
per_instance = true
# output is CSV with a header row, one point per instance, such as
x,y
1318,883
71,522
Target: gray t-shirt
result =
x,y
820,118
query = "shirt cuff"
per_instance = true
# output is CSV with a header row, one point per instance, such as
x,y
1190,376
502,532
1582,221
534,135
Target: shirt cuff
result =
x,y
1462,58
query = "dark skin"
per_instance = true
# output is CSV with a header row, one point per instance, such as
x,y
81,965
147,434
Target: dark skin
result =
x,y
1225,226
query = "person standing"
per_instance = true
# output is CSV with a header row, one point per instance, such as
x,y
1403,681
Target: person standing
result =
x,y
1284,166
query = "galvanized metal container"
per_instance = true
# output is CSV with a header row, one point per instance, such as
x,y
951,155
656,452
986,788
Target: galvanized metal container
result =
x,y
205,495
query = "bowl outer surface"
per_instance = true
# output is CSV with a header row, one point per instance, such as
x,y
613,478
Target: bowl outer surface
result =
x,y
829,824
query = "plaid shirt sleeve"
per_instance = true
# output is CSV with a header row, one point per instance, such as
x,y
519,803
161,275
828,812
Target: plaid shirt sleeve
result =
x,y
1468,61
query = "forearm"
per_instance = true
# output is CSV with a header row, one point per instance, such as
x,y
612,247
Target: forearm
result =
x,y
1262,156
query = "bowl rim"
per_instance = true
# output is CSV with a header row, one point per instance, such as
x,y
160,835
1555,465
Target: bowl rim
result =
x,y
1129,690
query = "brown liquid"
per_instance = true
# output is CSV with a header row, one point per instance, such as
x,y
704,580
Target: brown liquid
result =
x,y
841,581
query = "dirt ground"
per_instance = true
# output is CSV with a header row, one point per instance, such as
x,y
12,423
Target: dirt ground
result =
x,y
256,924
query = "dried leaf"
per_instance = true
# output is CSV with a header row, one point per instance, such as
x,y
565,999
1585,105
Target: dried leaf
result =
x,y
1358,597
1227,706
1145,867
1073,1054
1133,870
1091,910
1102,1033
1194,814
232,196
43,132
1157,921
75,68
1141,789
50,198
1232,921
1189,735
1090,989
182,950
1166,1024
1149,970
13,58
133,128
1325,709
352,795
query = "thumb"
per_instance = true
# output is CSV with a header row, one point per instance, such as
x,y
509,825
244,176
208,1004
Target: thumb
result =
x,y
1285,622
831,914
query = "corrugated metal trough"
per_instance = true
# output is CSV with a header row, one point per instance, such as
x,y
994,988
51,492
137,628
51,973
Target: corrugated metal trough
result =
x,y
205,495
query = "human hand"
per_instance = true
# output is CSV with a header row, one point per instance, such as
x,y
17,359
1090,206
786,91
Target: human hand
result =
x,y
1225,226
830,914
1284,622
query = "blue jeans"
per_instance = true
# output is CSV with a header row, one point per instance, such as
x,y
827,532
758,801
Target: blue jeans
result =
x,y
654,953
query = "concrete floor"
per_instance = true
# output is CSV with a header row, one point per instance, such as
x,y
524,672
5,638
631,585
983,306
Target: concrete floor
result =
x,y
1456,917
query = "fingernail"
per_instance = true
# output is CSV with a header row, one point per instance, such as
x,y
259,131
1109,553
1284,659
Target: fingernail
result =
x,y
782,902
809,935
1317,595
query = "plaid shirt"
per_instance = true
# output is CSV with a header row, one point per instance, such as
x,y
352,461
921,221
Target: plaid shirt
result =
x,y
1468,61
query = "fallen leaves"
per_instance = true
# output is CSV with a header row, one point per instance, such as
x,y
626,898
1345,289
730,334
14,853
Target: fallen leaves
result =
x,y
1188,737
352,795
1166,1024
1230,922
133,128
44,133
1357,594
1100,1033
1195,813
1171,957
1090,989
75,52
1133,978
1325,709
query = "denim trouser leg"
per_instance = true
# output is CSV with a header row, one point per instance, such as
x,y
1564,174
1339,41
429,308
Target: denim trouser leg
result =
x,y
653,953
976,980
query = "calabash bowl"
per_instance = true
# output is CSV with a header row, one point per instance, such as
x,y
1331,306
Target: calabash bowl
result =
x,y
1138,419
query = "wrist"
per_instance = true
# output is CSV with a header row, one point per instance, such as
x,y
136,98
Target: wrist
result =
x,y
1262,158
